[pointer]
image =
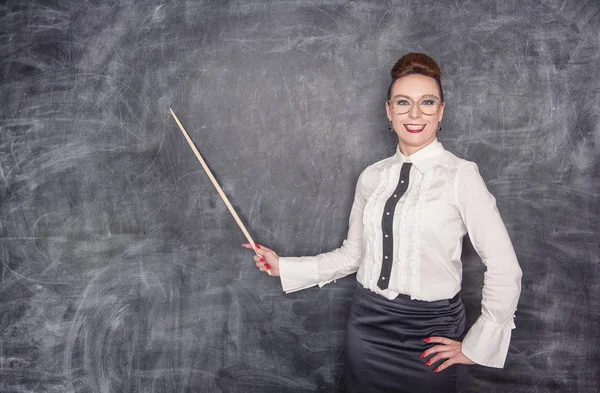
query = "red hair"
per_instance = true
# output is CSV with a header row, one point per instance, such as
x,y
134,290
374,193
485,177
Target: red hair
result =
x,y
416,63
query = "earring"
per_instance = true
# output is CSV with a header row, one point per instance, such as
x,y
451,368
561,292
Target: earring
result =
x,y
439,126
391,128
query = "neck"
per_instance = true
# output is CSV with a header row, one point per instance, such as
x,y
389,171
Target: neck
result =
x,y
408,150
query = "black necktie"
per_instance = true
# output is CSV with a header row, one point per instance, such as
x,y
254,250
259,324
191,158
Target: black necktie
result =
x,y
387,222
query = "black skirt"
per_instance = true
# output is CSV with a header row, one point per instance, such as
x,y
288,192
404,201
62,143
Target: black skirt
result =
x,y
384,339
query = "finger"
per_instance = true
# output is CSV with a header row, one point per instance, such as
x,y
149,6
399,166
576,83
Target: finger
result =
x,y
440,356
247,245
262,247
436,349
264,268
260,250
439,340
444,365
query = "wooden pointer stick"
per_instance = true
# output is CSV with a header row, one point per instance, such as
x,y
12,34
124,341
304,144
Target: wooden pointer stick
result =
x,y
216,184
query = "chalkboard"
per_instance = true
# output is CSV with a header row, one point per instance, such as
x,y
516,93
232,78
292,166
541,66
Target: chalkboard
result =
x,y
122,270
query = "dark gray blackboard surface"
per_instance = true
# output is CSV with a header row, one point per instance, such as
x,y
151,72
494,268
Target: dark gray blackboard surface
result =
x,y
121,270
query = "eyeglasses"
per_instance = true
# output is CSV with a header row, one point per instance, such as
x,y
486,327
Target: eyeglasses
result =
x,y
428,104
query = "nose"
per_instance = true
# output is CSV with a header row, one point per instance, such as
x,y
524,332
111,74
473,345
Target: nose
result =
x,y
415,112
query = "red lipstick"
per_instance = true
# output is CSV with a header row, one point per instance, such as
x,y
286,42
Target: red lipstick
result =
x,y
414,128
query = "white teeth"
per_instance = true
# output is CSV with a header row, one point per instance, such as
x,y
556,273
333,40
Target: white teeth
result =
x,y
413,127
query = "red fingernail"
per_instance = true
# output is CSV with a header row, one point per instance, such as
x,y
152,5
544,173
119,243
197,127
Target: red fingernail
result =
x,y
267,266
256,244
422,355
427,340
262,259
428,363
436,370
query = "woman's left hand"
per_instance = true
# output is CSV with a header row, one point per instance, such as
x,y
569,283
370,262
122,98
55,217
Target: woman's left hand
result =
x,y
447,349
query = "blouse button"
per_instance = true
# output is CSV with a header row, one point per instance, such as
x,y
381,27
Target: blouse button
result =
x,y
385,257
395,195
386,235
383,278
401,181
388,213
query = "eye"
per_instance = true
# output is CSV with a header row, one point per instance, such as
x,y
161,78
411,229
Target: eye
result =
x,y
401,101
428,101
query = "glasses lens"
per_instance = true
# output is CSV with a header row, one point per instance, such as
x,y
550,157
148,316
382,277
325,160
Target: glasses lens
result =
x,y
427,105
401,105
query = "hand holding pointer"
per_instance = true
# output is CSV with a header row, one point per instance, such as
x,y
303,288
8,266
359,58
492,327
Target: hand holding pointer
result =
x,y
266,259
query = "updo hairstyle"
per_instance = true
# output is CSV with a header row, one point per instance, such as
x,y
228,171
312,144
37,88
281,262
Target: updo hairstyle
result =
x,y
416,63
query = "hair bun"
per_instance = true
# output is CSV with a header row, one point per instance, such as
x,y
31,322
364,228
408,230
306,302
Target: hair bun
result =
x,y
416,63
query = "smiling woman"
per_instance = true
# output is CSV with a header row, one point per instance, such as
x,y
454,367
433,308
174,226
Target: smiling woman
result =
x,y
406,330
416,78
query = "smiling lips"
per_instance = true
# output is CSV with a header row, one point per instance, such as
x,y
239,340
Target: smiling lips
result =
x,y
414,128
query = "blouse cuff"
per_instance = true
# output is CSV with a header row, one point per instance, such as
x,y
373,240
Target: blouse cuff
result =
x,y
486,343
297,273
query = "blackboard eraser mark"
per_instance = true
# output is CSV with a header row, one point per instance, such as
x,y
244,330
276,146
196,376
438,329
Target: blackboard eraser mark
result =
x,y
242,377
163,106
3,183
12,362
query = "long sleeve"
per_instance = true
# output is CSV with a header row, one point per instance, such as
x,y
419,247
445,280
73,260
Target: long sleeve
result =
x,y
298,273
487,341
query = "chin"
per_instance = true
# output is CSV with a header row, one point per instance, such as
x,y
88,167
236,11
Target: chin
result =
x,y
416,140
421,136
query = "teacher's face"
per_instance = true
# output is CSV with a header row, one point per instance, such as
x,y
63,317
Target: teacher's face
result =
x,y
418,126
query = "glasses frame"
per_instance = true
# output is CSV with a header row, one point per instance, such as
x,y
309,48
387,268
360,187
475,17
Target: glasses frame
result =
x,y
389,102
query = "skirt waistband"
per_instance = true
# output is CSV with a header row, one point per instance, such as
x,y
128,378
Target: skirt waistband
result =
x,y
404,298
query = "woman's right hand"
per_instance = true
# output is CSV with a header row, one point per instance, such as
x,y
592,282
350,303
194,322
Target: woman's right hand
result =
x,y
266,259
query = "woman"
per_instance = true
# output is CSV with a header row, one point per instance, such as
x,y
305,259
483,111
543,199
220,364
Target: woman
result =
x,y
406,329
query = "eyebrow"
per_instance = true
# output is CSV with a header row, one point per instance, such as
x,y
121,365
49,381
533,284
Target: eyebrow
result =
x,y
424,95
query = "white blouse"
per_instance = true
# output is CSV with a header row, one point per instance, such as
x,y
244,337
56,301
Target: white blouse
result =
x,y
445,199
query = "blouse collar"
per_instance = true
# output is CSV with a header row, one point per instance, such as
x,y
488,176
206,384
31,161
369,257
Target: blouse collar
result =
x,y
422,159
